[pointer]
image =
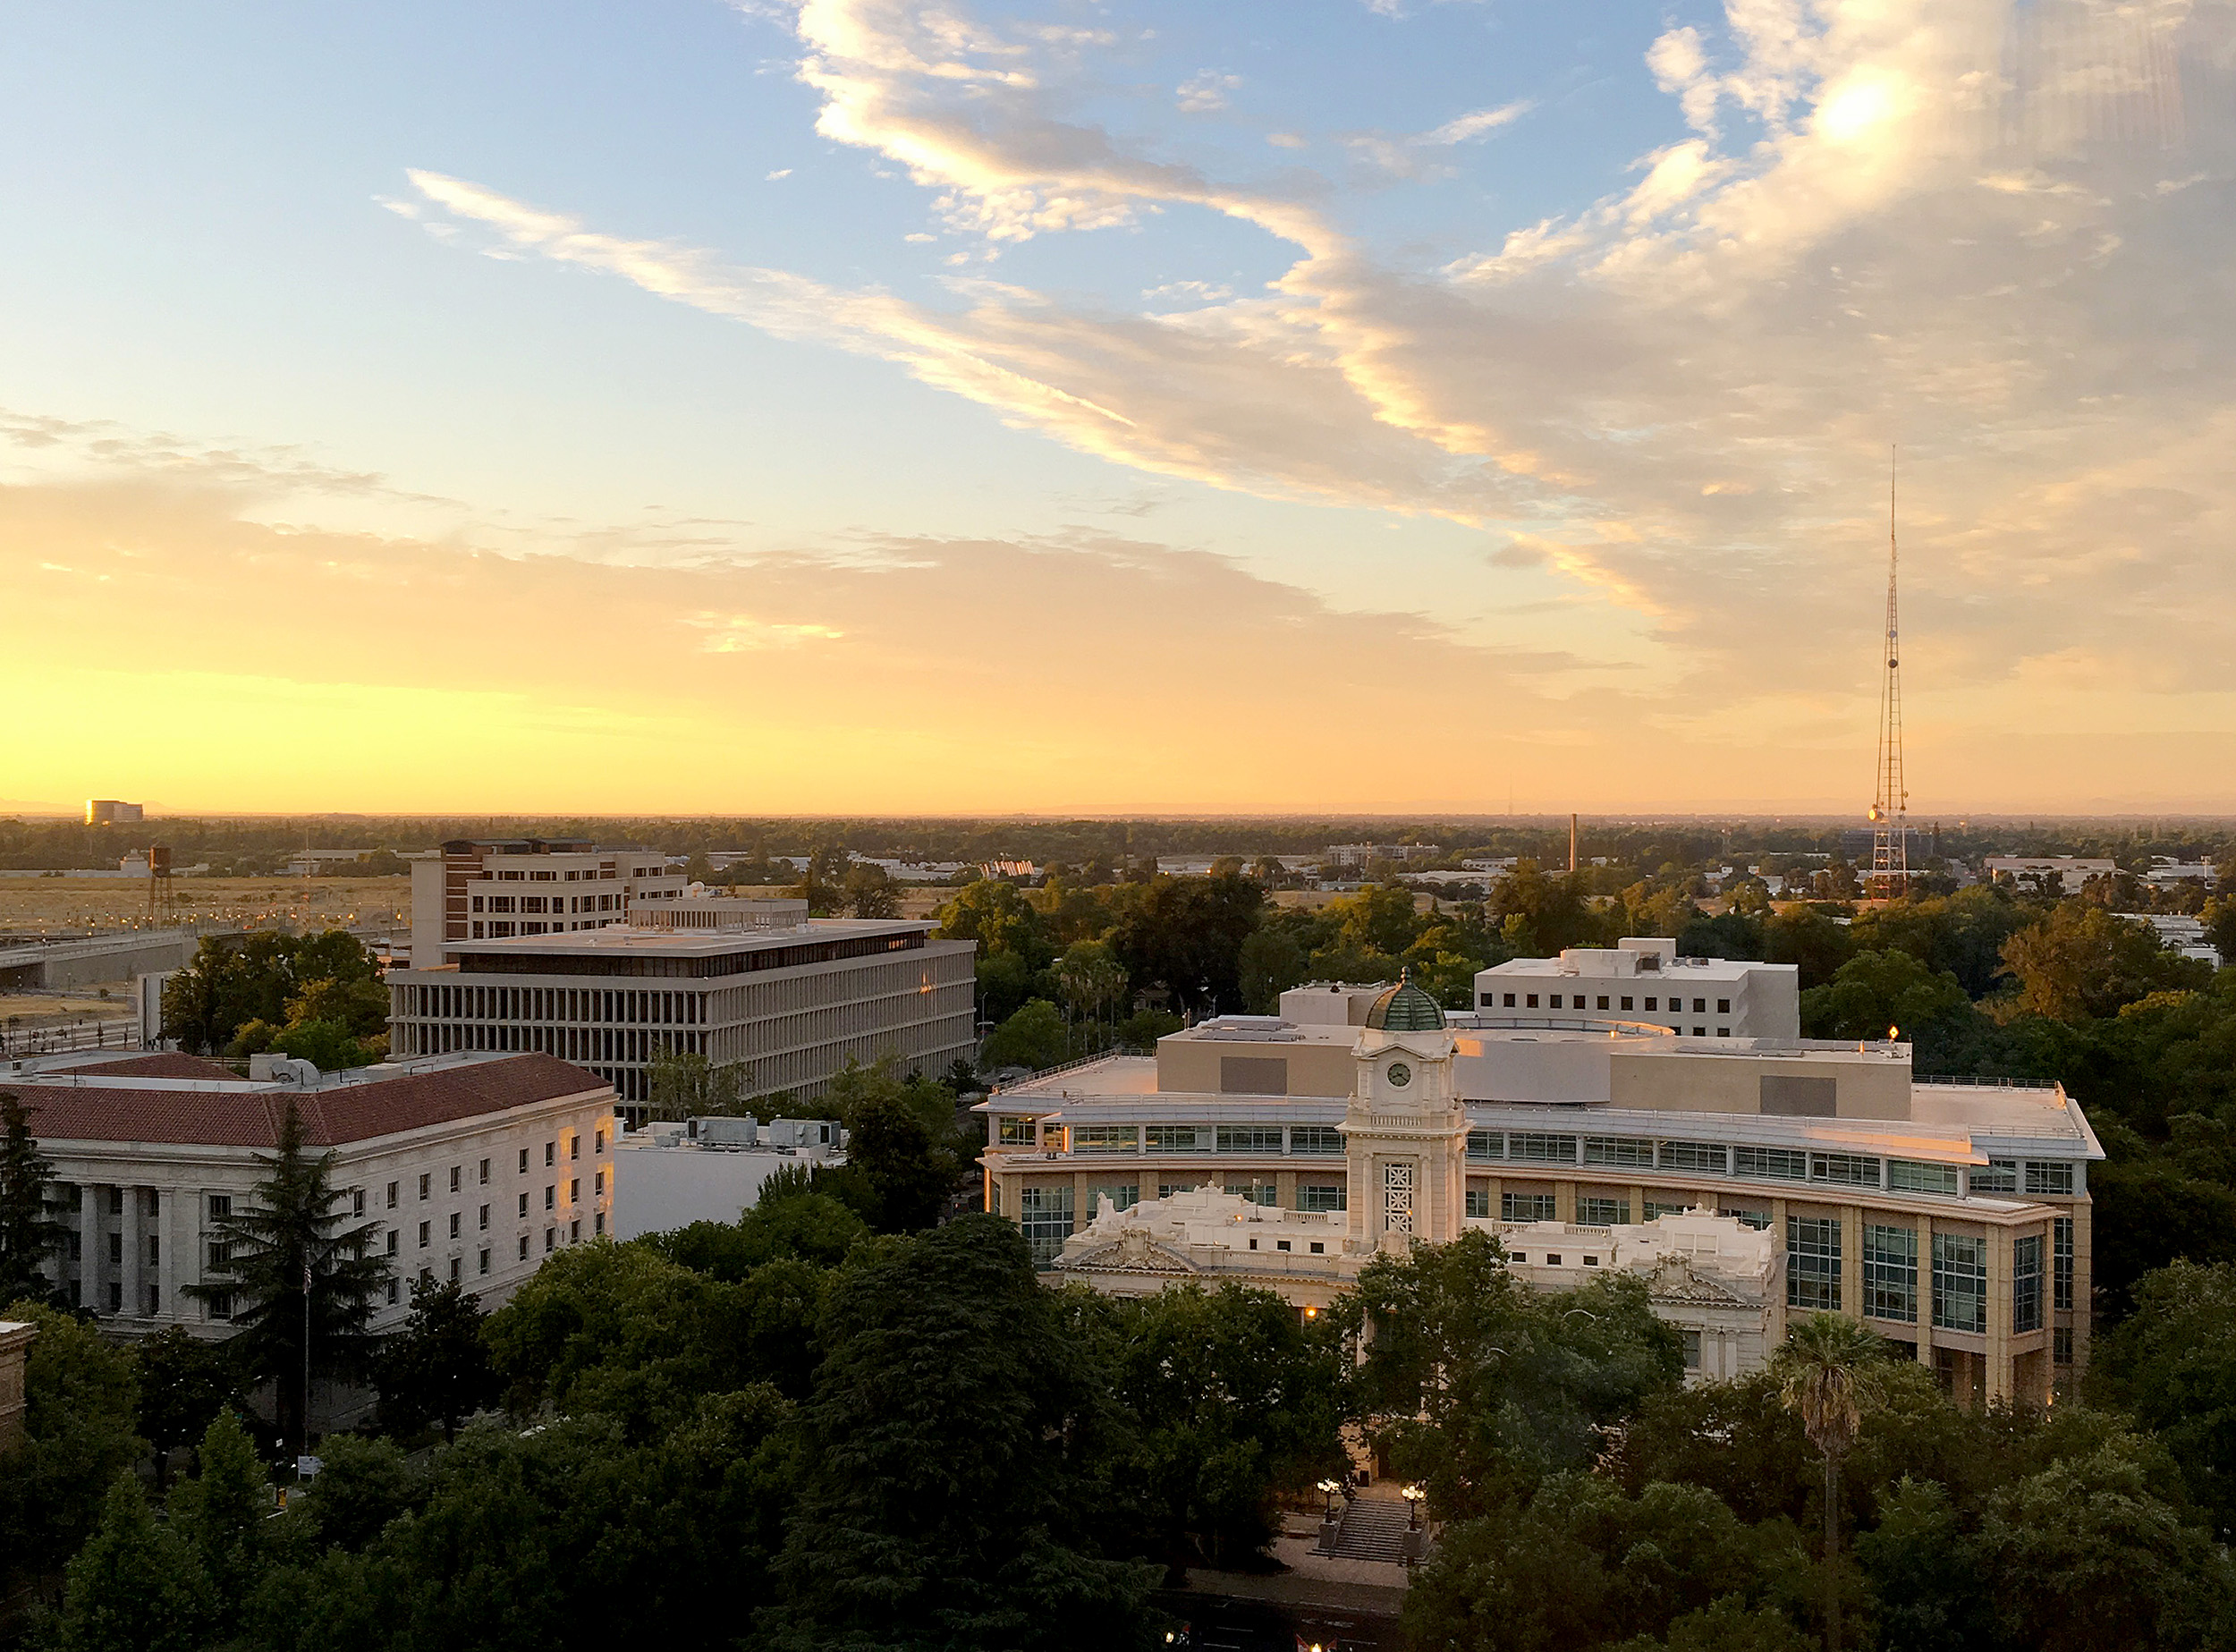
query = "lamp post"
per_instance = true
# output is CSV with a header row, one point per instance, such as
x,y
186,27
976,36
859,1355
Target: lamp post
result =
x,y
1328,1488
1414,1497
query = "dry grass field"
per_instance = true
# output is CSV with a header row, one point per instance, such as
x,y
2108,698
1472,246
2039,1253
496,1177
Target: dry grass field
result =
x,y
48,905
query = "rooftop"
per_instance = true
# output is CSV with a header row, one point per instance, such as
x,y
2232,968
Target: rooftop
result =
x,y
77,1101
625,940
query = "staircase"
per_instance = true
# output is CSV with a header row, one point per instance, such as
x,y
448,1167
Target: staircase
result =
x,y
1373,1528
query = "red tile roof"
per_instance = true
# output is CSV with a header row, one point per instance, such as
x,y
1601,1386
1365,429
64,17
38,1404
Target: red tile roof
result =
x,y
158,1065
250,1117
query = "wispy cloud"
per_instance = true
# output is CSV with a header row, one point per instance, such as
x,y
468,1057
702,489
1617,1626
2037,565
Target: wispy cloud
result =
x,y
1201,94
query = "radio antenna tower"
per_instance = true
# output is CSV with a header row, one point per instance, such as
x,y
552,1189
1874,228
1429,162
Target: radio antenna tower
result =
x,y
1890,810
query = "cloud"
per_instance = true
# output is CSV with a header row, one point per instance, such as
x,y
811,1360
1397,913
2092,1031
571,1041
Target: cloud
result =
x,y
1468,127
1204,93
1911,221
781,171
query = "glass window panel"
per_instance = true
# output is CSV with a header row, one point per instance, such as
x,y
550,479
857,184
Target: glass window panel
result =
x,y
2026,1284
1538,1148
1249,1138
1323,1196
1173,1137
1315,1139
1813,1262
1104,1139
1123,1195
1959,1282
1617,1150
1998,1175
1890,1273
1708,1156
2049,1178
1845,1169
1487,1144
1525,1207
1909,1176
1602,1211
1046,1215
1478,1201
1771,1164
2061,1264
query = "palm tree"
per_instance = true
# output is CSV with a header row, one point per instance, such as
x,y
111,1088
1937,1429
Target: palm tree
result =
x,y
300,1290
1829,1373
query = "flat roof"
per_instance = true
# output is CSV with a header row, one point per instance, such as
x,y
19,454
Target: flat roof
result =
x,y
624,940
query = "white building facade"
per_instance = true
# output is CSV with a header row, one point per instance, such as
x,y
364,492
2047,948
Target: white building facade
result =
x,y
472,1169
1644,980
492,889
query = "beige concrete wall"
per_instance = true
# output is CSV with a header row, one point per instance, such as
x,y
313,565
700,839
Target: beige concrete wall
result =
x,y
1191,1065
1869,1086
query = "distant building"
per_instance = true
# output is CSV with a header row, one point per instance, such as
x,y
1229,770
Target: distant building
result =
x,y
1361,855
2182,934
2166,869
711,1169
473,1167
15,1346
2070,872
788,1002
1643,980
492,889
110,811
309,862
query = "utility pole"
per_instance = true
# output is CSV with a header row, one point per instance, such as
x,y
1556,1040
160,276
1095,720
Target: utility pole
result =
x,y
1890,809
1572,845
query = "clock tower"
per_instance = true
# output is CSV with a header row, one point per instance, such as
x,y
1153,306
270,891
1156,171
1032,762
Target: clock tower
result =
x,y
1405,1132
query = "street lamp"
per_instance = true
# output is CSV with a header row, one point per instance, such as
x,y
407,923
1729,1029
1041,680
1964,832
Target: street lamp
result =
x,y
1413,1495
1328,1488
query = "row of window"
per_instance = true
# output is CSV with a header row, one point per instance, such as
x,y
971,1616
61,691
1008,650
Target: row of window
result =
x,y
1957,1277
1576,1002
1267,1140
2037,1176
557,903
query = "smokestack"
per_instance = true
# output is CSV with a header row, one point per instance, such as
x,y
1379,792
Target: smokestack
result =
x,y
1571,844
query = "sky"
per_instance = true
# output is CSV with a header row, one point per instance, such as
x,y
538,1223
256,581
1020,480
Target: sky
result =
x,y
836,406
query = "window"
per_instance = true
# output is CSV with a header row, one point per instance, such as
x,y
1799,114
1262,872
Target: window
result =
x,y
1323,1196
454,1219
220,1255
2061,1264
1104,1139
551,1196
1655,1209
1708,1156
1722,1006
1525,1207
357,1201
1758,1220
574,1190
1813,1262
524,1161
1602,1001
2049,1178
394,1233
1909,1176
483,1221
221,1303
598,1185
1046,1215
426,1228
1172,1137
454,1270
1487,1144
1260,1193
1479,1202
1249,1138
1602,1211
1618,1150
1530,1002
427,1184
456,1173
1959,1282
2026,1284
116,1249
1723,1033
1122,1195
485,1173
1998,1175
485,1258
1890,1274
601,1224
550,1154
1319,1140
1165,1190
574,1233
1700,1006
1779,1164
2062,1344
1653,1004
1691,1340
392,1293
575,1146
523,1204
1554,1003
1011,1131
221,1203
1510,1000
523,1245
1847,1169
551,1240
1531,1147
597,1143
117,1201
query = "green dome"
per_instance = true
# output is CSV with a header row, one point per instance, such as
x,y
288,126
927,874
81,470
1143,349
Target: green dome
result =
x,y
1405,1008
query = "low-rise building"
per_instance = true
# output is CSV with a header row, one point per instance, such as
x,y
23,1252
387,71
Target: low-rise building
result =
x,y
2066,873
1643,980
1954,1218
486,889
470,1168
711,1169
786,999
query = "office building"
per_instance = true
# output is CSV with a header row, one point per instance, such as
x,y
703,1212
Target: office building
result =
x,y
711,1169
1953,1218
2060,874
786,999
1644,980
470,1168
112,811
492,889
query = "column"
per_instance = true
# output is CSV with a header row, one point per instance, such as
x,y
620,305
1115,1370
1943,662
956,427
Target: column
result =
x,y
1637,1207
1925,1292
177,1236
1776,1334
134,1231
2084,1213
92,1293
1997,1385
1851,1261
1565,1201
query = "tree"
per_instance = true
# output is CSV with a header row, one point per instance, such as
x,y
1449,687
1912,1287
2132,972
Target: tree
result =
x,y
1185,935
951,1492
683,1084
29,1234
908,1175
184,1382
300,1289
870,893
80,1404
2173,1364
1034,1038
1551,911
330,980
221,1514
1270,962
2082,960
134,1587
2220,929
437,1368
1873,992
1092,979
1827,1371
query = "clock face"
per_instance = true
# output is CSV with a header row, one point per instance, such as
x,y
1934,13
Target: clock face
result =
x,y
1400,1075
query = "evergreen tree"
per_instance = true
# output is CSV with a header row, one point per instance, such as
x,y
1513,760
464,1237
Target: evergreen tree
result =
x,y
220,1514
300,1289
28,1234
184,1382
437,1369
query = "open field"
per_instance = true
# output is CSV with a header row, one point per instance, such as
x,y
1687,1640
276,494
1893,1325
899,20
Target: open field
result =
x,y
35,905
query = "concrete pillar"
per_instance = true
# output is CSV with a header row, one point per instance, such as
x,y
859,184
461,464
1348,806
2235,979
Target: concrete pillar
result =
x,y
1997,1382
1779,1313
1636,1196
134,1227
92,1266
1925,1292
1565,1201
2083,1213
1852,1260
